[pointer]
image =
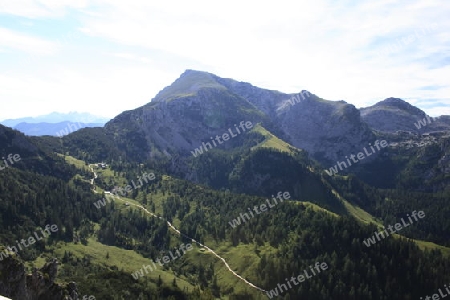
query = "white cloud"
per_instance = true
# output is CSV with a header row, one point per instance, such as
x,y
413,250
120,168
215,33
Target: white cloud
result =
x,y
105,92
34,9
133,57
321,46
23,42
334,49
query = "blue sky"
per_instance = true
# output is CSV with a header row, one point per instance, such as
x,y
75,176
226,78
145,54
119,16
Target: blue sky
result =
x,y
105,57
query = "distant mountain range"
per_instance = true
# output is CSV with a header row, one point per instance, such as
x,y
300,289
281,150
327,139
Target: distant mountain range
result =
x,y
56,129
56,117
56,124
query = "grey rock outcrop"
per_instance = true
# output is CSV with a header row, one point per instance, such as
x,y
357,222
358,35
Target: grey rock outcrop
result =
x,y
15,283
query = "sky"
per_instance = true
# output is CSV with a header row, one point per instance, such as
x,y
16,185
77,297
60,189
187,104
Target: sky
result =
x,y
108,56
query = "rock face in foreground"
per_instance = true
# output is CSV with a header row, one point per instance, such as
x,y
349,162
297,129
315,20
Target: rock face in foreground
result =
x,y
17,285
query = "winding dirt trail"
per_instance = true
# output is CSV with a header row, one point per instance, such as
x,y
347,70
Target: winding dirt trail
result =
x,y
193,240
202,245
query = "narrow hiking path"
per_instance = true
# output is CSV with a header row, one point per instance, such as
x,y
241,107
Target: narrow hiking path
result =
x,y
95,177
204,246
193,240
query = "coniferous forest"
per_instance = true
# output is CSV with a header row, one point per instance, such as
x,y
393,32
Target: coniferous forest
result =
x,y
275,245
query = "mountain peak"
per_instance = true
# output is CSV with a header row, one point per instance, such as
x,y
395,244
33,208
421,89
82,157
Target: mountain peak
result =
x,y
392,114
188,84
393,100
398,103
191,72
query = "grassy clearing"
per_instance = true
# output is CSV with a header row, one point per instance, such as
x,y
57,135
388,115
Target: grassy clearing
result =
x,y
360,214
243,259
357,212
271,141
107,175
79,164
315,207
432,246
126,260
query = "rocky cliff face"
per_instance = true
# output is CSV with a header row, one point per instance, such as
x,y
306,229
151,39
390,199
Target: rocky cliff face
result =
x,y
16,284
184,115
327,130
267,101
199,105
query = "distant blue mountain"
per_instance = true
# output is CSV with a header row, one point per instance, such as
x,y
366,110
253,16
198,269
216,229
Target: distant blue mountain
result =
x,y
55,129
56,117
